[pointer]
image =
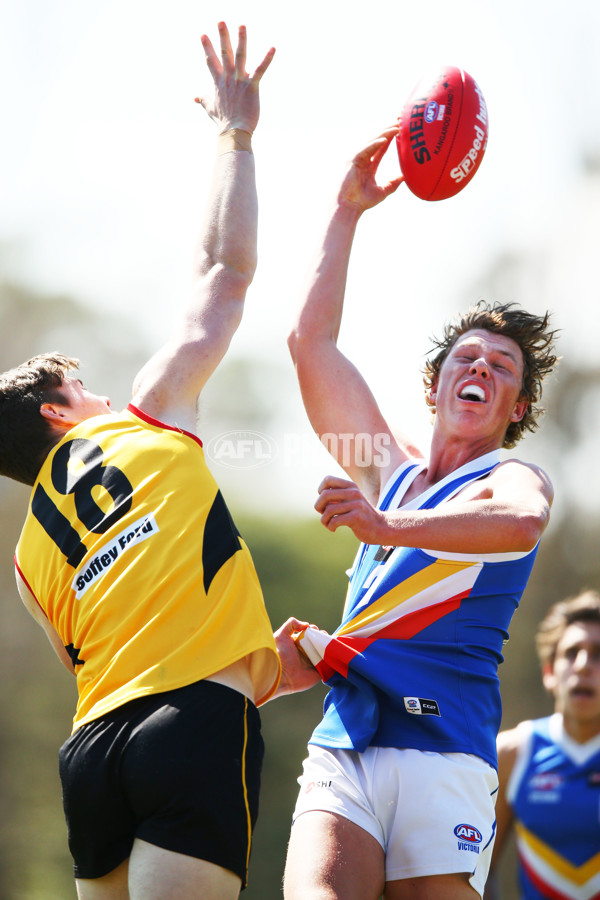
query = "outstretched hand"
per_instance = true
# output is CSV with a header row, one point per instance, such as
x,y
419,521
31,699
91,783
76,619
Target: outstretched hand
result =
x,y
236,102
359,187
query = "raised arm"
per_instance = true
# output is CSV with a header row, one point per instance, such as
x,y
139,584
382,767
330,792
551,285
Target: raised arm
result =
x,y
337,399
169,384
506,512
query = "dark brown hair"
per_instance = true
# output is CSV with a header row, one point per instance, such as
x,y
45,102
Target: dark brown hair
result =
x,y
533,335
26,438
585,607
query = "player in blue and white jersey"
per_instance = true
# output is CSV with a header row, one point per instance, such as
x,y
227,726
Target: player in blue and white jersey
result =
x,y
397,795
549,768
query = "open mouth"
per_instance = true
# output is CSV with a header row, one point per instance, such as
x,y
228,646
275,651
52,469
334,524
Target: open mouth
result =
x,y
473,392
583,692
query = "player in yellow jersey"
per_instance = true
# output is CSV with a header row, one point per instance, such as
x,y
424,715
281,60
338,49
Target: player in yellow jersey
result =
x,y
131,563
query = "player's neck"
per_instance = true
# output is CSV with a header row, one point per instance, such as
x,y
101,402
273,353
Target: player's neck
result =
x,y
449,455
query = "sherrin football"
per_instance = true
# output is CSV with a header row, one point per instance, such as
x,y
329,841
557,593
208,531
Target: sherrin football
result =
x,y
443,134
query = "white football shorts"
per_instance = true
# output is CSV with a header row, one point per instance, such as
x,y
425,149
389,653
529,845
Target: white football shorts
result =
x,y
433,813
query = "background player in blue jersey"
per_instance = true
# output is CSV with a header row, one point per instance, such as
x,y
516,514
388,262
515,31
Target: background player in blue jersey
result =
x,y
549,768
397,795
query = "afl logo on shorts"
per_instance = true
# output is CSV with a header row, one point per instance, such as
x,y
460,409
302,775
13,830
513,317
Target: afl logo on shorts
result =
x,y
469,837
468,833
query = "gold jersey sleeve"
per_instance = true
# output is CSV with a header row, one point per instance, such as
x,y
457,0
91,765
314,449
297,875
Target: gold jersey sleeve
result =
x,y
130,550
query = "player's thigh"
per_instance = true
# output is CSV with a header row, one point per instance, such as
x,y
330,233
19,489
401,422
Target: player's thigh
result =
x,y
152,873
442,887
331,858
113,886
158,874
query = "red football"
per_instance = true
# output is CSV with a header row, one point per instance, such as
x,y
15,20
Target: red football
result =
x,y
443,134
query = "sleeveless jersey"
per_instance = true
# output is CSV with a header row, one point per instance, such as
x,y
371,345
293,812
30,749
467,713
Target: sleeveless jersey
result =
x,y
414,662
554,792
130,551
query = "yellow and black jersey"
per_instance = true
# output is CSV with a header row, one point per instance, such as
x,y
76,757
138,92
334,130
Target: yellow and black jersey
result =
x,y
132,554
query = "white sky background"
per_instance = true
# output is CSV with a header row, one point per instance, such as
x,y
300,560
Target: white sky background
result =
x,y
105,161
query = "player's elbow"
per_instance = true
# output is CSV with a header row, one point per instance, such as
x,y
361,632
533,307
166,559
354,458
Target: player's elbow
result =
x,y
240,272
304,349
308,346
227,268
529,526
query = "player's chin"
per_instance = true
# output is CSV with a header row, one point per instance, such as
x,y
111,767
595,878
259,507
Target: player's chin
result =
x,y
580,699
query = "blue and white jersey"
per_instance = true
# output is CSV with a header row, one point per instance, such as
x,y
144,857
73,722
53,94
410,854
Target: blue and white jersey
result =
x,y
414,662
554,792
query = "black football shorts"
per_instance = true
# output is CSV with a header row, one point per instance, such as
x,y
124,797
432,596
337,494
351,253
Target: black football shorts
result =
x,y
179,769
